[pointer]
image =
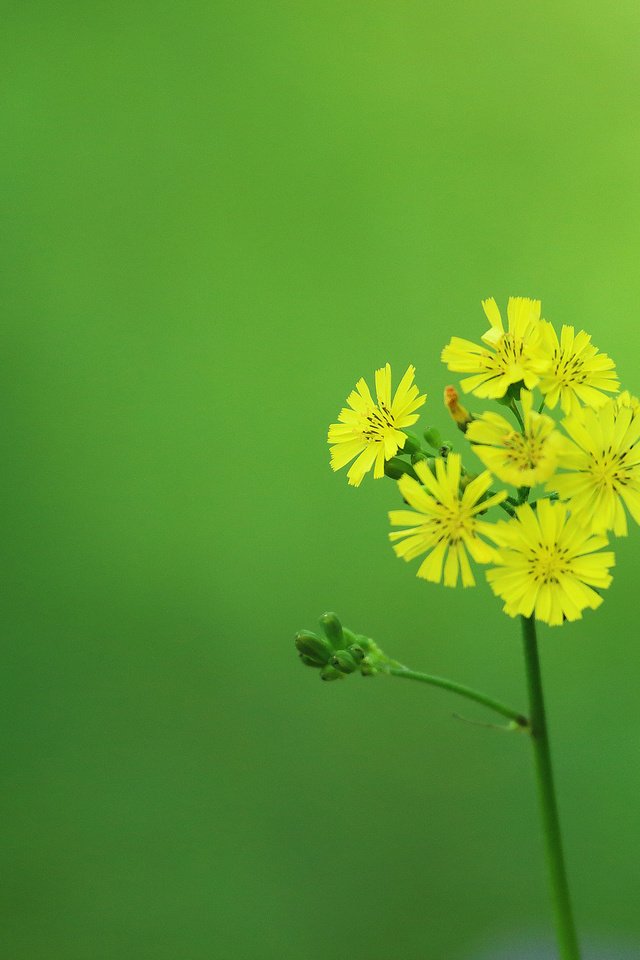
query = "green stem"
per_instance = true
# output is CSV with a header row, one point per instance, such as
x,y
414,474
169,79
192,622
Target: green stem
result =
x,y
565,927
514,407
397,670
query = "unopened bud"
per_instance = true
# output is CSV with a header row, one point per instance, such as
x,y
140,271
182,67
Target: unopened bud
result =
x,y
460,414
311,645
311,661
344,662
367,669
396,468
433,437
332,629
330,673
411,443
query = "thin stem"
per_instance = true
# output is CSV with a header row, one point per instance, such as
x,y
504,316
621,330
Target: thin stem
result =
x,y
397,670
565,926
541,407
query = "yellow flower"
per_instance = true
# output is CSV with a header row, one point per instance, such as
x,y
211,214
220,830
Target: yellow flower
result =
x,y
548,564
445,523
577,373
523,459
602,461
508,357
626,399
372,431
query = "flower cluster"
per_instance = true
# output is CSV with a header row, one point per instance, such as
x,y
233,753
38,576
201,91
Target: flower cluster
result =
x,y
574,478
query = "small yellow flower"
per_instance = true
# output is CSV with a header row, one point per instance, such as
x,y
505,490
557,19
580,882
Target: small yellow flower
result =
x,y
577,373
548,565
371,431
626,399
444,524
602,461
508,357
523,459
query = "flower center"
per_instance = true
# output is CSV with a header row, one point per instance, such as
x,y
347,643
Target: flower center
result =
x,y
548,563
568,368
377,424
523,452
510,349
610,469
452,523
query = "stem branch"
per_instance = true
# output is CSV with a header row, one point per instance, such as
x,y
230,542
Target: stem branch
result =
x,y
565,926
397,670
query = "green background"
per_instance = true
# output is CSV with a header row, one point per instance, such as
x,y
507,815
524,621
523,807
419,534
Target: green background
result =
x,y
215,218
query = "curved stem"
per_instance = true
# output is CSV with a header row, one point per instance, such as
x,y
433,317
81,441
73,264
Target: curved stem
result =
x,y
397,670
565,926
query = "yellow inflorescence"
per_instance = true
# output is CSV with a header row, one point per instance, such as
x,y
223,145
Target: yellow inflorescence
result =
x,y
548,564
547,558
443,523
522,457
509,356
371,431
601,467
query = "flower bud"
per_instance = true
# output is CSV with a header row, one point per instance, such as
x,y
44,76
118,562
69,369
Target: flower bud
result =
x,y
357,652
311,645
367,669
411,443
433,437
344,662
310,661
396,468
330,673
460,414
332,629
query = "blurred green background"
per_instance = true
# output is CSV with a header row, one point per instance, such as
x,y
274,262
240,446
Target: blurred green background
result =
x,y
215,218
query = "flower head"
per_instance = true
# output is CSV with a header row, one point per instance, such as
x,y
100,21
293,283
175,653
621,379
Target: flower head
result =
x,y
508,357
444,524
577,373
372,431
523,459
602,463
548,565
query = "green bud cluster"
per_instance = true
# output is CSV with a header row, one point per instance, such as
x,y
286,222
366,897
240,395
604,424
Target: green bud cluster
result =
x,y
338,651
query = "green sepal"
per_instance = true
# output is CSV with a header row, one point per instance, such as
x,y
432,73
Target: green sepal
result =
x,y
513,393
